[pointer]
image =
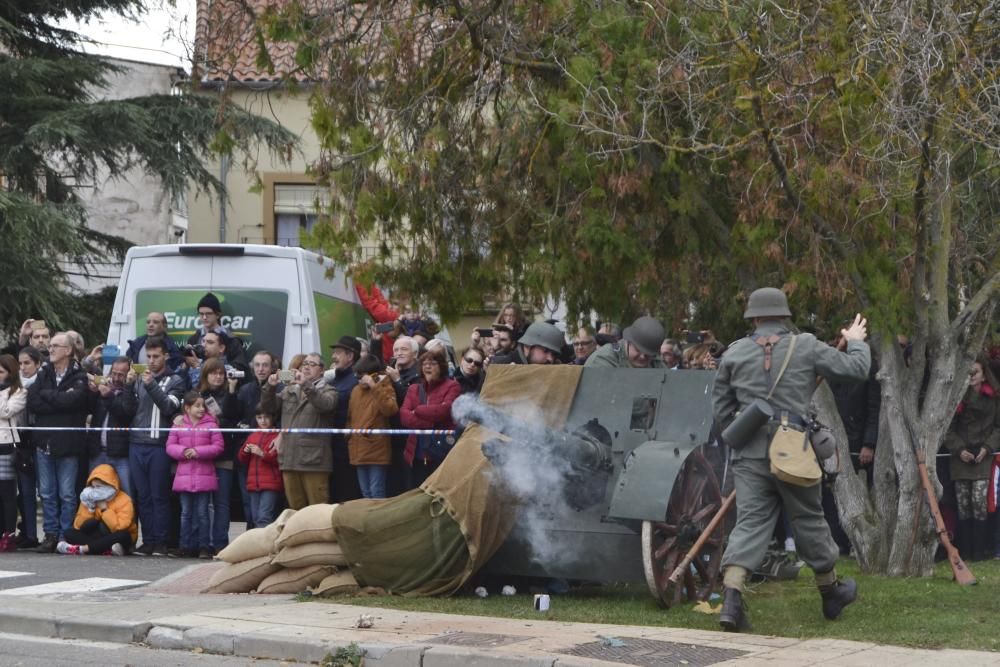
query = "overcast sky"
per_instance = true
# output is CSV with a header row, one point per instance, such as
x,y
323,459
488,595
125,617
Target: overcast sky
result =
x,y
164,35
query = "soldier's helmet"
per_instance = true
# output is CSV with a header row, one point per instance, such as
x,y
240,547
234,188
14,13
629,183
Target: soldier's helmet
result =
x,y
647,334
767,302
544,335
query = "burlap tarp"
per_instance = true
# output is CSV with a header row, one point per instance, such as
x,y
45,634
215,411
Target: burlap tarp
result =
x,y
431,540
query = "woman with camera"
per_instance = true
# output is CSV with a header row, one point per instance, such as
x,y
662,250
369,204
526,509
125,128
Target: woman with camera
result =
x,y
218,387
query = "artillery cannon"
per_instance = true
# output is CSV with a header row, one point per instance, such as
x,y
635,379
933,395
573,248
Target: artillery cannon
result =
x,y
637,482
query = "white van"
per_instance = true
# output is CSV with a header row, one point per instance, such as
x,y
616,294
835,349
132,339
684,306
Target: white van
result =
x,y
273,298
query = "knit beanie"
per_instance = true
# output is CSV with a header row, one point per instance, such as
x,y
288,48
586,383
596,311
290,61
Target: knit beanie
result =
x,y
210,301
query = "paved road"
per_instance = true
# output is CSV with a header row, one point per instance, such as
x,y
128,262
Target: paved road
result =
x,y
22,572
24,651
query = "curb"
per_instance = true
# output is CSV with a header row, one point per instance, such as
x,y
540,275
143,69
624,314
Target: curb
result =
x,y
222,642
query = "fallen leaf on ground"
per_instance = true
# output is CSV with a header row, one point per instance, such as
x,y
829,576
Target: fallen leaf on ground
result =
x,y
705,607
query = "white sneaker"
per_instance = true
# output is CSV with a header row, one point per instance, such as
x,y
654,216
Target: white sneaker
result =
x,y
117,549
65,547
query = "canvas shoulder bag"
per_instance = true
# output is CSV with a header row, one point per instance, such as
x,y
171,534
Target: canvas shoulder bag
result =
x,y
790,453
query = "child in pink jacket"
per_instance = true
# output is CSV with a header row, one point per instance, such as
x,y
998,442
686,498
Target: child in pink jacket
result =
x,y
195,449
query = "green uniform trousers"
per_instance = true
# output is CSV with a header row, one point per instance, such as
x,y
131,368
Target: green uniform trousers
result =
x,y
759,499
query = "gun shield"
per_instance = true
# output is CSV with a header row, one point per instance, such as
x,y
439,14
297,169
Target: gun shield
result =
x,y
747,422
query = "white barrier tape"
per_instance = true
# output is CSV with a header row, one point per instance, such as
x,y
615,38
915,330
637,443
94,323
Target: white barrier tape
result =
x,y
315,431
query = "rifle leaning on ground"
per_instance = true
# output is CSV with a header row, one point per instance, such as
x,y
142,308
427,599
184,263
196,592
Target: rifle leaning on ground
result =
x,y
963,575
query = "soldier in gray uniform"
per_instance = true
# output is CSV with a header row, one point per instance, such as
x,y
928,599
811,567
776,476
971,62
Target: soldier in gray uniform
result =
x,y
748,371
639,347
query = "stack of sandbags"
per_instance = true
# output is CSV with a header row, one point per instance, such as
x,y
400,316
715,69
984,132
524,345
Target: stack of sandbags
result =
x,y
248,559
298,552
306,551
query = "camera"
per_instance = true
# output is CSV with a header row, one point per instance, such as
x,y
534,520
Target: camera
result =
x,y
695,337
485,332
194,351
385,327
234,374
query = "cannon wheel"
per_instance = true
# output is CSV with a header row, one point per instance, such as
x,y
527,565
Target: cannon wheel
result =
x,y
696,496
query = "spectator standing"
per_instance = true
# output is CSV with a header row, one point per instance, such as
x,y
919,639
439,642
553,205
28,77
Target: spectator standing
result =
x,y
305,459
262,366
156,327
210,313
13,401
223,404
403,370
470,373
109,411
29,361
259,455
971,439
427,406
670,354
512,316
382,312
344,479
105,520
195,447
58,398
36,334
154,398
373,403
583,345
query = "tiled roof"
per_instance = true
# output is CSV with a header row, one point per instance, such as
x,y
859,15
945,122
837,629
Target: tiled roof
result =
x,y
226,49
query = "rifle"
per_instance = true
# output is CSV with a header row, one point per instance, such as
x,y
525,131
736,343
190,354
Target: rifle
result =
x,y
692,553
963,575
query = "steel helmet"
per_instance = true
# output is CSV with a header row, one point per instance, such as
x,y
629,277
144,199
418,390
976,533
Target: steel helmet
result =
x,y
647,334
544,335
767,302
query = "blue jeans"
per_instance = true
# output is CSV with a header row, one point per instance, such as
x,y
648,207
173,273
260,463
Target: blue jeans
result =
x,y
371,479
149,467
27,500
265,507
248,511
220,508
195,524
57,486
120,464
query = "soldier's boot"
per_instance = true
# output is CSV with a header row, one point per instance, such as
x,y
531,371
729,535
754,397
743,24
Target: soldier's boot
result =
x,y
733,617
836,593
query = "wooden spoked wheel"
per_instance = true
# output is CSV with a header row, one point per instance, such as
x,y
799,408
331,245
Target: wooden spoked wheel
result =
x,y
696,496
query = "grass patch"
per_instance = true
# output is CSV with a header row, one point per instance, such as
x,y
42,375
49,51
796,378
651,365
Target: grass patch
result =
x,y
922,613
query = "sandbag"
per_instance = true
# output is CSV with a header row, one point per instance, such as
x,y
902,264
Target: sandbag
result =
x,y
256,542
341,582
313,553
294,580
241,577
310,524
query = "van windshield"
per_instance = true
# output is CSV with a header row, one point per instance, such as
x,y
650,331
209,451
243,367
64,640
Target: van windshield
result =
x,y
254,317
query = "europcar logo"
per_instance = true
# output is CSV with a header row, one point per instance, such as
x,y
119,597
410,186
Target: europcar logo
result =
x,y
181,322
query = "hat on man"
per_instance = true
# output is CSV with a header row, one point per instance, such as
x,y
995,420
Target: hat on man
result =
x,y
349,343
647,334
767,302
210,301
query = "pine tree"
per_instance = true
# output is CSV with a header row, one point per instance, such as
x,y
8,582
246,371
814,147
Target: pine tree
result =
x,y
55,133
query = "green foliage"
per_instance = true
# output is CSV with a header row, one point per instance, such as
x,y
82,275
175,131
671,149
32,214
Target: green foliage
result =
x,y
54,135
351,655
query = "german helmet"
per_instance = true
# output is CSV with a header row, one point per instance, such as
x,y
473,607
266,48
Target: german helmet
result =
x,y
544,335
767,302
647,334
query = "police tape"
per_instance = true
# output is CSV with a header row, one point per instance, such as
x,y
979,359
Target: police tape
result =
x,y
312,431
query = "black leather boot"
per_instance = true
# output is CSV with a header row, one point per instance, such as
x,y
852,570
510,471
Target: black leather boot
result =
x,y
837,596
733,617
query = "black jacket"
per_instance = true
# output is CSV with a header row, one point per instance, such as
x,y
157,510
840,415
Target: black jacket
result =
x,y
858,404
64,404
110,412
230,416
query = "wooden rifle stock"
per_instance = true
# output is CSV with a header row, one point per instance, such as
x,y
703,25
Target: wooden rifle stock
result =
x,y
692,553
962,573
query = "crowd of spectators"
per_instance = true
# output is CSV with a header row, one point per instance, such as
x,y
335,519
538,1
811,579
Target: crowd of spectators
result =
x,y
185,483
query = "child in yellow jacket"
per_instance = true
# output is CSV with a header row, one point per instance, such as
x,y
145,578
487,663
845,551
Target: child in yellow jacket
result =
x,y
105,522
